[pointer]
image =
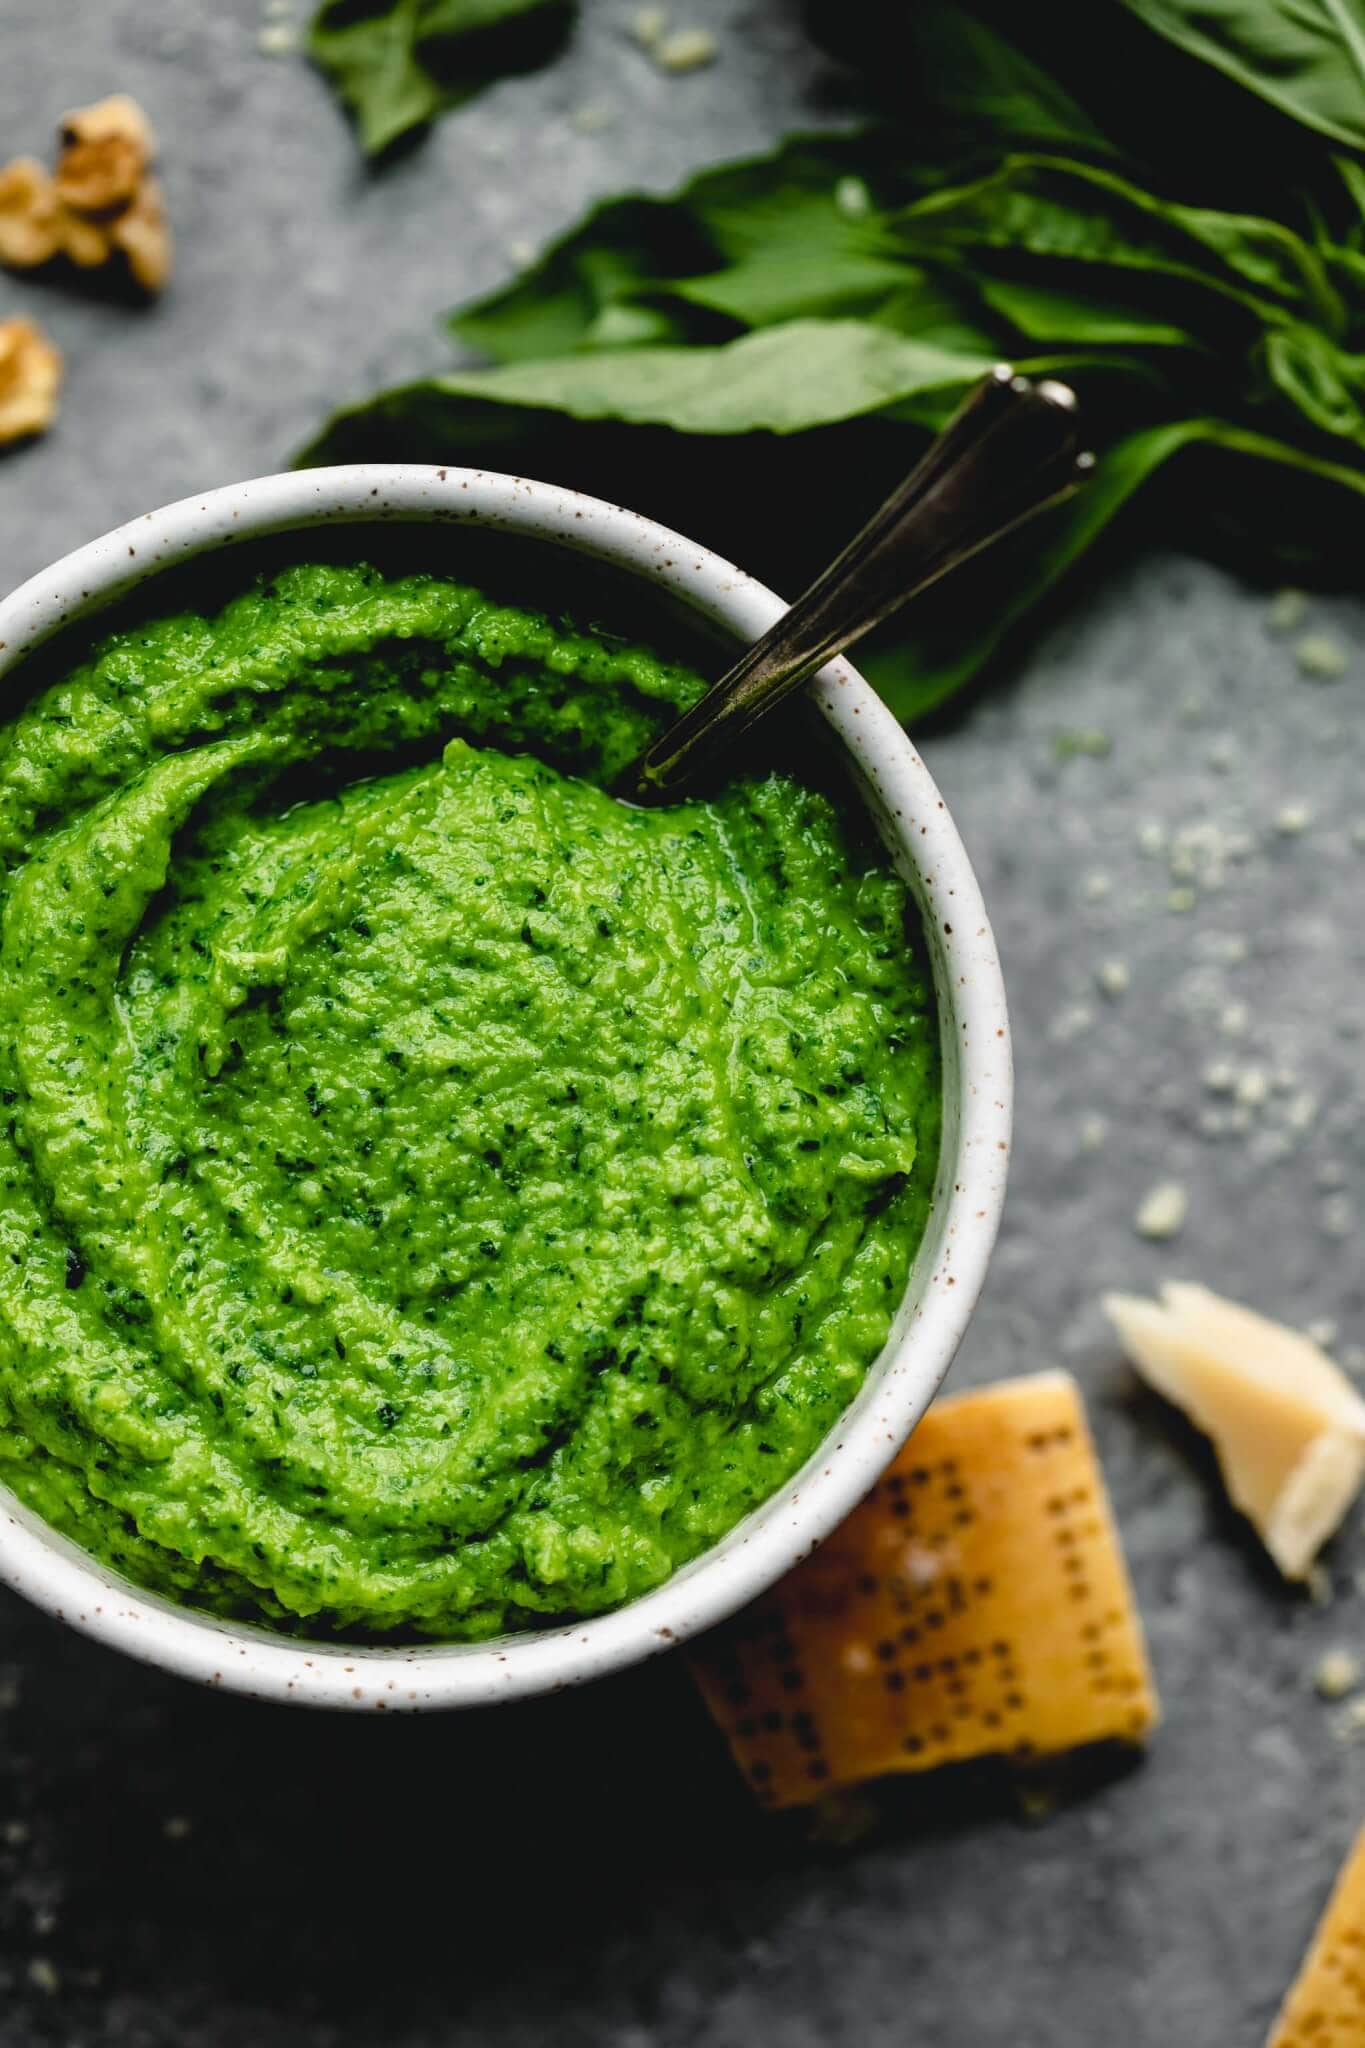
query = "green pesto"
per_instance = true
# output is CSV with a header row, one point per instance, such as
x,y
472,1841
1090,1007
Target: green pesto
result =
x,y
432,1195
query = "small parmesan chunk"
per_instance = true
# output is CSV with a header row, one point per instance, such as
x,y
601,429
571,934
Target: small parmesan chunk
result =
x,y
43,1976
689,50
1287,609
1326,2003
1337,1673
649,27
1321,658
1288,1426
852,198
976,1604
1163,1211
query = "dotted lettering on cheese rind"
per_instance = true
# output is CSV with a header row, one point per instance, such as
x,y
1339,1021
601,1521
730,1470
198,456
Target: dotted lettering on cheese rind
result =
x,y
975,1604
1325,2007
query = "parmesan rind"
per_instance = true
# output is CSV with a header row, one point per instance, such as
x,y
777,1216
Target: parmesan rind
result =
x,y
1288,1426
976,1604
1325,2005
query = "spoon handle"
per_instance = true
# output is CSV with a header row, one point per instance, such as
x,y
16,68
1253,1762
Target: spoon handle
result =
x,y
1012,448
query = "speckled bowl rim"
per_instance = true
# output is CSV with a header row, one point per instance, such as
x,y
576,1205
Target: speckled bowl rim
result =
x,y
950,1267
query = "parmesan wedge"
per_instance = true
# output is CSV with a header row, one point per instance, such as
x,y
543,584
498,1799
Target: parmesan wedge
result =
x,y
976,1604
1326,2003
1288,1426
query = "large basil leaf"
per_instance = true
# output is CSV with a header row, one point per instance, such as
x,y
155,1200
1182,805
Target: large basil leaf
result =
x,y
1306,57
779,380
954,79
778,236
1064,214
397,63
757,359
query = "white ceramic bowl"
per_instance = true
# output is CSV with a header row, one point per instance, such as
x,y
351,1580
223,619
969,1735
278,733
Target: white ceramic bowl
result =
x,y
951,1263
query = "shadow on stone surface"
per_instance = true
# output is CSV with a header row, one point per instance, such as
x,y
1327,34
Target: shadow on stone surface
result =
x,y
201,1848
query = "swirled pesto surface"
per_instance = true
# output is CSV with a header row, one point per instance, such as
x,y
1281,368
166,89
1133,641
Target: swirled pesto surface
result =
x,y
432,1195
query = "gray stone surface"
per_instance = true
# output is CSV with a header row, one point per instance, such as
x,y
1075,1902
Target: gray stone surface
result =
x,y
184,1869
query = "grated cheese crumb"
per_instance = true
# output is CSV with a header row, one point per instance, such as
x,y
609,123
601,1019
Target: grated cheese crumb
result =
x,y
1181,900
1350,1723
852,198
1089,740
1096,886
1253,1087
277,39
649,27
1094,1131
42,1975
1071,1022
1320,658
1287,609
1300,1111
1338,1673
1293,819
1163,1211
688,50
1113,977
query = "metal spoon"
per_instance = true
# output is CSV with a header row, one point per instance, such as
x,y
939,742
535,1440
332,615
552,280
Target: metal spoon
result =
x,y
1011,449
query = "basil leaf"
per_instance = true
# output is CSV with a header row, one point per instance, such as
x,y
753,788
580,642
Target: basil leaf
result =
x,y
760,357
934,63
1042,312
778,236
1306,57
779,380
941,644
1066,214
396,64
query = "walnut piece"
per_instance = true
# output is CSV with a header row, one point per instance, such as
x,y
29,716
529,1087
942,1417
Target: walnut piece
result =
x,y
30,377
119,115
87,242
141,231
29,214
106,149
101,203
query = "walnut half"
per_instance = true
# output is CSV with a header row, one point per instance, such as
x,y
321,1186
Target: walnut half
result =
x,y
30,378
29,215
101,202
106,149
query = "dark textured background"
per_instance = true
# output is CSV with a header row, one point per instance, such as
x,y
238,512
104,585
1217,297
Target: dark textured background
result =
x,y
178,1868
